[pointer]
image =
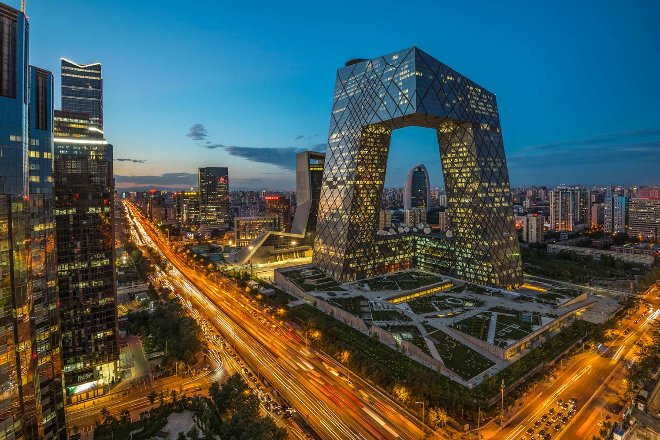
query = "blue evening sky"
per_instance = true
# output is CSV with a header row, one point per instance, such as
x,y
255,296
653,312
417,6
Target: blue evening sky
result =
x,y
576,81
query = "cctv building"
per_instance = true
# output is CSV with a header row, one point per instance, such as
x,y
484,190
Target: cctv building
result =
x,y
410,88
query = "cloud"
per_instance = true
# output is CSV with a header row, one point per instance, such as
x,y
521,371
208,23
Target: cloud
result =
x,y
281,157
619,156
122,159
173,180
198,132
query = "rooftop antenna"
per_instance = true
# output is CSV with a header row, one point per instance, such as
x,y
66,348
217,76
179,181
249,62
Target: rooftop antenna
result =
x,y
23,6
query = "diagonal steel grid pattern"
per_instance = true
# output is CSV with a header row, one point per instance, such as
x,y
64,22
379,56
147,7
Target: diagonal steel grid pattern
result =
x,y
411,88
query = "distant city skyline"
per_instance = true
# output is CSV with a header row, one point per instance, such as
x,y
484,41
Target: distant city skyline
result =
x,y
249,94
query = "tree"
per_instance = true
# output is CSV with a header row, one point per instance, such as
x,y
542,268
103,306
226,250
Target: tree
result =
x,y
152,397
438,417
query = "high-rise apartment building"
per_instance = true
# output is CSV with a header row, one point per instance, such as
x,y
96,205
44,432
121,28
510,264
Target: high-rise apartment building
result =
x,y
597,215
570,208
644,219
532,231
616,213
417,189
82,90
410,88
84,216
31,404
213,187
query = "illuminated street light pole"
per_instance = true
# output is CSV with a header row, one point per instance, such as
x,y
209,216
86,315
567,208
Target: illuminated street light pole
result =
x,y
423,414
293,246
250,248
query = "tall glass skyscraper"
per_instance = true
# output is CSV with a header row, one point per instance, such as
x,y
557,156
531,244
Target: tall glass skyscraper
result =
x,y
417,190
31,404
84,216
213,185
82,90
411,88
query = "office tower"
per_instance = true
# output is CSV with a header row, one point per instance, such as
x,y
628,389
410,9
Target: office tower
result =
x,y
82,90
644,219
569,208
417,190
31,398
43,256
309,178
277,204
411,88
187,208
597,215
616,212
214,197
532,231
84,217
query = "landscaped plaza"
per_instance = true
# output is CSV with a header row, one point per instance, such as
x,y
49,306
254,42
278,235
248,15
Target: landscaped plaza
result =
x,y
471,332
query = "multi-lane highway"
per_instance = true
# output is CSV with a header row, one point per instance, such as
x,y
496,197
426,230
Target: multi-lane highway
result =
x,y
311,382
585,378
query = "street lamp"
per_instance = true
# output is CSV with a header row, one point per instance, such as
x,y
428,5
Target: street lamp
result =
x,y
293,246
423,414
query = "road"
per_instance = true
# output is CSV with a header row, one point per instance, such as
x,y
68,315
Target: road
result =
x,y
311,382
587,378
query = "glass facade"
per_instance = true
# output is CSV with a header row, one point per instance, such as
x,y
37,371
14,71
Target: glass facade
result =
x,y
214,196
30,380
43,263
411,88
82,90
84,217
417,190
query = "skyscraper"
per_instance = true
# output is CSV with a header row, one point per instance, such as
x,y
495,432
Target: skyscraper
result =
x,y
417,190
31,394
213,185
82,90
84,214
410,88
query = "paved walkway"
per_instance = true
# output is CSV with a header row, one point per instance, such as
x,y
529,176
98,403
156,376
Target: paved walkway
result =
x,y
491,328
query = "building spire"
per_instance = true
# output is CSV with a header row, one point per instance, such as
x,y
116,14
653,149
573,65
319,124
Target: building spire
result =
x,y
23,6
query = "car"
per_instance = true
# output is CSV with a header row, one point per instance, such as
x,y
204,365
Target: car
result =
x,y
542,433
573,400
537,424
564,420
530,431
560,402
548,436
557,427
600,423
552,411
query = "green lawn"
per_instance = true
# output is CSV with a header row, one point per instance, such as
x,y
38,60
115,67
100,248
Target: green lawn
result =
x,y
352,305
476,326
458,357
388,315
